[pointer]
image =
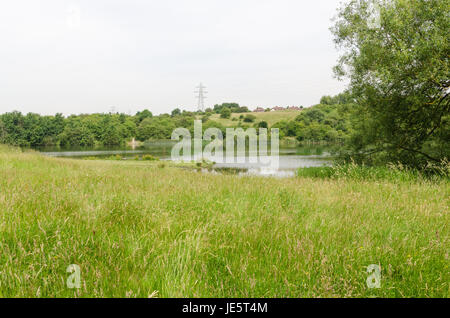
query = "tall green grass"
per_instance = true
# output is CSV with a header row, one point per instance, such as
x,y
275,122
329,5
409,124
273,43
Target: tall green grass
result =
x,y
137,230
394,173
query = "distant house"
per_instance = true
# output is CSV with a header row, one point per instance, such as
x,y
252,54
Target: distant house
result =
x,y
277,108
259,110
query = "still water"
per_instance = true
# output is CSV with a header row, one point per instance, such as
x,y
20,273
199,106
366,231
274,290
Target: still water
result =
x,y
291,157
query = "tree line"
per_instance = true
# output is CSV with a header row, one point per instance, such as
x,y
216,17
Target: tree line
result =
x,y
327,122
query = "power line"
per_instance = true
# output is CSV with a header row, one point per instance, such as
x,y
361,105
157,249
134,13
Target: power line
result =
x,y
201,97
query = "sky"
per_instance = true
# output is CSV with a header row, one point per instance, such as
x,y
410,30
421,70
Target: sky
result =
x,y
87,56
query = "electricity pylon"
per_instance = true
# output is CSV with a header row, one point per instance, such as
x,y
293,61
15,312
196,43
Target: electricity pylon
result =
x,y
201,97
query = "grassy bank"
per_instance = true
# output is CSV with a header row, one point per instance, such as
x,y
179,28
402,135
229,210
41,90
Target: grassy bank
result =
x,y
392,173
140,229
270,117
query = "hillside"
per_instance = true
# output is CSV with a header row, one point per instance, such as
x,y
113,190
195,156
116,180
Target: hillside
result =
x,y
271,118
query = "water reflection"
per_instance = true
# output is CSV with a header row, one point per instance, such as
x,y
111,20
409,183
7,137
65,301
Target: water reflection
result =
x,y
291,158
263,172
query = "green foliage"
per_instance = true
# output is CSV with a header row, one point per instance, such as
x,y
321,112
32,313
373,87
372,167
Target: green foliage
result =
x,y
343,98
263,124
233,107
242,109
316,172
115,157
140,116
82,130
89,130
390,172
76,136
328,123
29,130
319,123
249,118
399,76
155,128
3,133
149,158
176,112
362,173
225,113
214,124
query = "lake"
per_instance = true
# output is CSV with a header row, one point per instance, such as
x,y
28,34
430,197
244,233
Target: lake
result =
x,y
291,157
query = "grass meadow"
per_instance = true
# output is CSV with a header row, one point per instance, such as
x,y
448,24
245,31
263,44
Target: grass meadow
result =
x,y
144,229
270,117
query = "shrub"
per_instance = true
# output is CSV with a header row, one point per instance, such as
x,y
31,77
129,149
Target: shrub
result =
x,y
149,158
263,124
115,157
225,113
249,118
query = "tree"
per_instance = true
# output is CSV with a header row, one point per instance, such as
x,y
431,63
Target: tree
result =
x,y
176,112
242,109
111,133
342,98
3,133
14,126
143,115
34,129
233,107
155,128
326,100
396,55
225,113
129,128
77,135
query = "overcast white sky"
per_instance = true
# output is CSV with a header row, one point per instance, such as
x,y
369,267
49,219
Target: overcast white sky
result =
x,y
85,56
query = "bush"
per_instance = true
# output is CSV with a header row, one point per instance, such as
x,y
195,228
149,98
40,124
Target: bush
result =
x,y
225,113
249,118
115,157
149,158
263,124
